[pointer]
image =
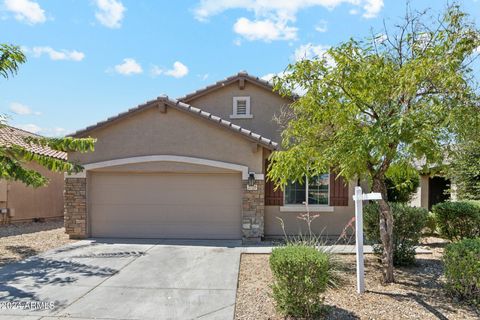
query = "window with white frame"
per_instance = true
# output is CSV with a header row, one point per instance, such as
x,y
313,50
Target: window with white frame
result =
x,y
315,189
241,107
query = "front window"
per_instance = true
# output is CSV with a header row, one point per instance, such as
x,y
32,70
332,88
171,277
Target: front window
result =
x,y
315,189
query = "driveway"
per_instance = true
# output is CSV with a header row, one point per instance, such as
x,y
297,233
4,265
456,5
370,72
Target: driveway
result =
x,y
124,279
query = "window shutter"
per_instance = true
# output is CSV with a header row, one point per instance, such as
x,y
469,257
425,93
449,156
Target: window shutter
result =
x,y
272,197
338,191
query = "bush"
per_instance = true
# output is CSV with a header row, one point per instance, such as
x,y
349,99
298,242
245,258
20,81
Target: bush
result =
x,y
458,220
407,230
462,269
431,224
301,273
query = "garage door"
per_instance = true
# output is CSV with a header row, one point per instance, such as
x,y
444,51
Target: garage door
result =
x,y
190,206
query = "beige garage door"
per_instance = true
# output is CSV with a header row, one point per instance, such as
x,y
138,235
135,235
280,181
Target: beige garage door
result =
x,y
191,206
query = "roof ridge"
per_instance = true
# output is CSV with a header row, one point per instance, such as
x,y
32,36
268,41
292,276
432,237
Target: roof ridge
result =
x,y
220,83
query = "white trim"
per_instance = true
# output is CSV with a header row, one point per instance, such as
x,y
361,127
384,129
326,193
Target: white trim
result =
x,y
247,115
302,208
241,116
155,158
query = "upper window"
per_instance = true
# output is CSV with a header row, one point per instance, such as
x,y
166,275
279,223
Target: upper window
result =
x,y
241,107
315,189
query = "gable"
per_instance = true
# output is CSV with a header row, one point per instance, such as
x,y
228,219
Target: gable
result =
x,y
151,131
264,106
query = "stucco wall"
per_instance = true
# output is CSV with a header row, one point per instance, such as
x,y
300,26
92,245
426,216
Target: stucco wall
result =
x,y
263,106
43,202
327,223
151,132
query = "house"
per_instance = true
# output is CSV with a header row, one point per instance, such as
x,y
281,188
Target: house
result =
x,y
433,189
21,203
195,168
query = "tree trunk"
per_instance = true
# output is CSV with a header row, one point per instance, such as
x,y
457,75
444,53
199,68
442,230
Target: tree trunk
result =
x,y
386,229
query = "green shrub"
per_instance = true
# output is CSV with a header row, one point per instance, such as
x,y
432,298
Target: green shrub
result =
x,y
431,224
301,273
407,230
458,220
462,269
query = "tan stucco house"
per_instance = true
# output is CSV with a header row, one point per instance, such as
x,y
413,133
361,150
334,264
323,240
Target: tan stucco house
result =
x,y
21,203
195,168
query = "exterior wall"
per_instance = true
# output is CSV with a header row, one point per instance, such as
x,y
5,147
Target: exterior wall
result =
x,y
76,208
264,105
253,211
27,203
420,198
327,224
151,132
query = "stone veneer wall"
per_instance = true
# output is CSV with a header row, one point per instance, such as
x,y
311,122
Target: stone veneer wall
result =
x,y
253,210
75,201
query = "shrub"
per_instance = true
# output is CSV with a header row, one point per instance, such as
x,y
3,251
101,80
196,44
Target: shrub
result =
x,y
407,230
462,269
301,273
458,220
431,224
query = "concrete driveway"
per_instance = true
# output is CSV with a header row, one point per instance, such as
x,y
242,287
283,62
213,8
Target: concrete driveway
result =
x,y
130,279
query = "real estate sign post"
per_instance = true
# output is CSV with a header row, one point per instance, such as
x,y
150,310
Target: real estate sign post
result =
x,y
359,198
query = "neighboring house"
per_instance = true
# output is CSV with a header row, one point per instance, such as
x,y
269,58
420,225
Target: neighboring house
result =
x,y
195,168
21,203
433,189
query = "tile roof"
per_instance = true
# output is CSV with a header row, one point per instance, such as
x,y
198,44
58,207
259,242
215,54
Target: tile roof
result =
x,y
187,108
232,79
14,136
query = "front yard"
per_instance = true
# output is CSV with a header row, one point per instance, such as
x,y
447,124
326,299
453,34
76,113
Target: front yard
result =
x,y
418,293
22,240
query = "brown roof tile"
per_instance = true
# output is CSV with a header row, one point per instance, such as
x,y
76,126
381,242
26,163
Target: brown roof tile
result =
x,y
14,136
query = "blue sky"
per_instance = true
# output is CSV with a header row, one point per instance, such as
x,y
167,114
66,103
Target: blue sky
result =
x,y
91,59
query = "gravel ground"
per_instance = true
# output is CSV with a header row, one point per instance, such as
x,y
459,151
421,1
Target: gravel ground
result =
x,y
21,240
417,294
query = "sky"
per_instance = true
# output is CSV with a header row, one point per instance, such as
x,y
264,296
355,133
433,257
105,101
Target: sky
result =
x,y
88,60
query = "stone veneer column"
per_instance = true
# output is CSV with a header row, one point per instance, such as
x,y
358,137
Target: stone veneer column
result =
x,y
75,202
253,209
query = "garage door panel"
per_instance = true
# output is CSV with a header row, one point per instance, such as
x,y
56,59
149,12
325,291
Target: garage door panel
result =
x,y
206,206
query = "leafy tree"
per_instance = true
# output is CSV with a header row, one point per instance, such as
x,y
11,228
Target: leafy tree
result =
x,y
465,169
400,96
402,182
13,157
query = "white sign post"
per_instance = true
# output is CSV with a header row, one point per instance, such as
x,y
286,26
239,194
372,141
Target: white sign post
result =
x,y
359,197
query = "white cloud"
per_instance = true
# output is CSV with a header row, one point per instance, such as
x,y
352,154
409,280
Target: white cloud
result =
x,y
321,26
22,110
26,10
128,67
179,70
69,55
110,13
30,127
309,51
266,30
372,8
279,12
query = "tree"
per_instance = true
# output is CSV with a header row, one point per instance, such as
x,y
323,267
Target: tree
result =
x,y
13,157
402,182
393,98
465,169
